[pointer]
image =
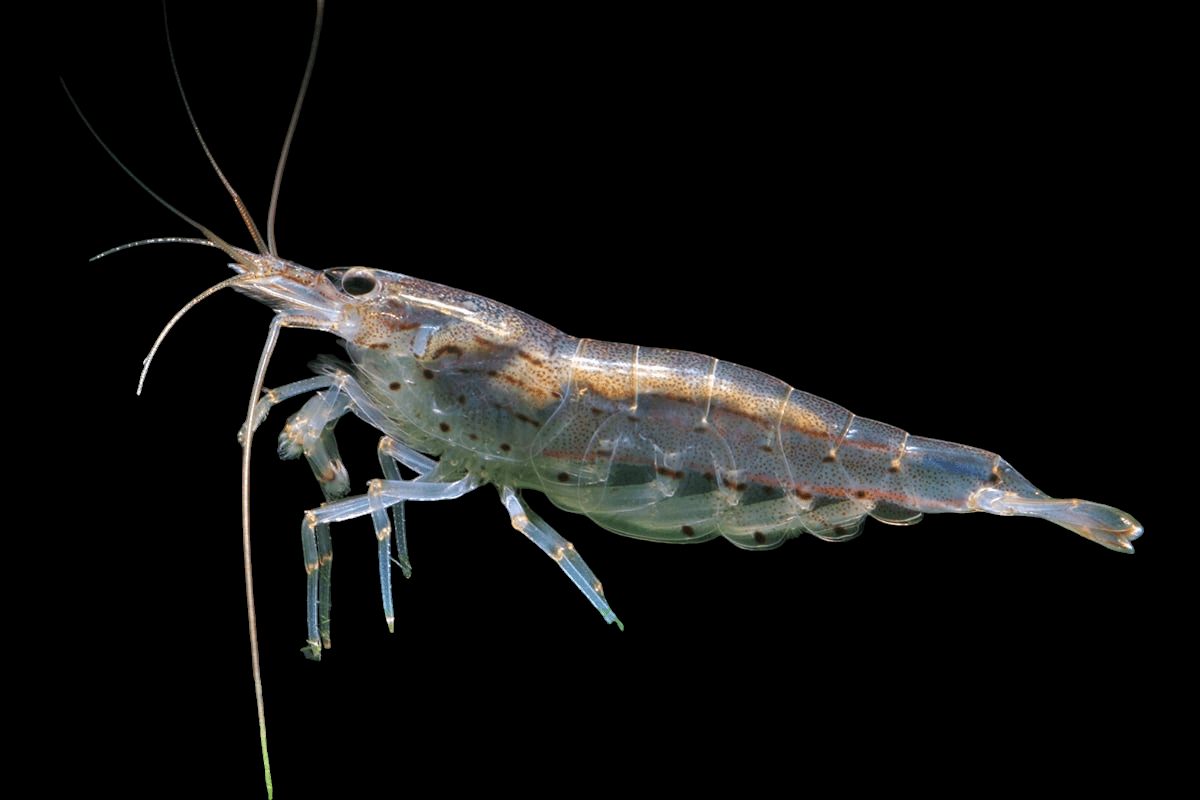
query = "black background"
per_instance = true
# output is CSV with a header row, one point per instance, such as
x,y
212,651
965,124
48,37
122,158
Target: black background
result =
x,y
952,244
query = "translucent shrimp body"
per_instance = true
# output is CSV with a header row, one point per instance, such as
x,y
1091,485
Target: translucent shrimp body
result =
x,y
657,444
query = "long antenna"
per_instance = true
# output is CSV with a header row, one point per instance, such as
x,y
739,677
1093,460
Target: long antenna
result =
x,y
249,261
291,131
260,375
237,200
256,391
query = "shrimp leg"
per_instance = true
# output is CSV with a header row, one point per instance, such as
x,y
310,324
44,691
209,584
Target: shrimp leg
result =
x,y
273,397
381,495
392,452
563,552
310,431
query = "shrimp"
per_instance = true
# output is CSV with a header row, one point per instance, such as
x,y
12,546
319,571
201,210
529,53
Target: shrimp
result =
x,y
546,387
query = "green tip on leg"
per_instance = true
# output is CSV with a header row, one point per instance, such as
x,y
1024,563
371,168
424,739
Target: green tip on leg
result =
x,y
267,768
267,765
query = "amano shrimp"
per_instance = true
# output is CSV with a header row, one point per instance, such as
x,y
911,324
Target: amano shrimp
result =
x,y
659,444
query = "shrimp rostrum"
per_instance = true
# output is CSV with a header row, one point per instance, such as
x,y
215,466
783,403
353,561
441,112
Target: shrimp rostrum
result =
x,y
652,443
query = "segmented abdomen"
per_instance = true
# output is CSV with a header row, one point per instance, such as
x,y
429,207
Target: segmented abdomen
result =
x,y
677,446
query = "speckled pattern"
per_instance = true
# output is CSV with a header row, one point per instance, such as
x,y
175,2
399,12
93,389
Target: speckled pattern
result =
x,y
658,444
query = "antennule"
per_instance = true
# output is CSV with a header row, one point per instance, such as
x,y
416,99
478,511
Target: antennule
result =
x,y
178,315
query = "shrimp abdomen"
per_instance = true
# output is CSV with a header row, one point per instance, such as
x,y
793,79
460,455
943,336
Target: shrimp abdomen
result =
x,y
676,446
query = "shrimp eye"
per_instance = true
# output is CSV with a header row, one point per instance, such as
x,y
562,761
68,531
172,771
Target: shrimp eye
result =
x,y
358,282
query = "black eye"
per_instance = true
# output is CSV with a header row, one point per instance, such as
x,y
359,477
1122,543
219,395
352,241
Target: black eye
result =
x,y
358,283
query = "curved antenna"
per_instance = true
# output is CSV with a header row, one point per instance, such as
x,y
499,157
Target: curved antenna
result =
x,y
260,375
234,281
237,200
159,240
287,139
255,392
217,241
247,260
